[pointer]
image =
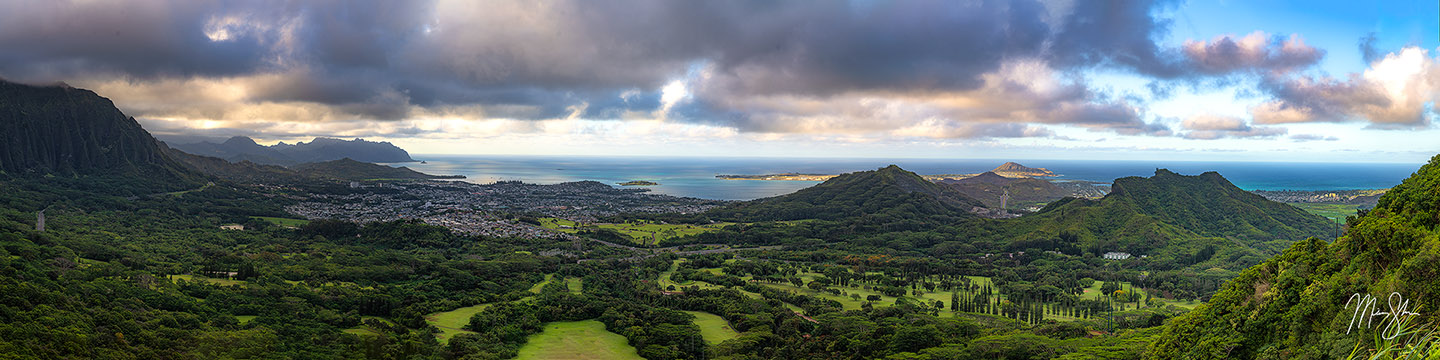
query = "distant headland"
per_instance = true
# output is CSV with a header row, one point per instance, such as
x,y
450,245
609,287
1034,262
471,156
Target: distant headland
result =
x,y
639,183
1009,170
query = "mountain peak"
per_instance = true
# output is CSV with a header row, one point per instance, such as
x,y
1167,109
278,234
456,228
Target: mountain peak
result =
x,y
1389,250
1210,205
889,189
1014,169
241,148
240,140
58,129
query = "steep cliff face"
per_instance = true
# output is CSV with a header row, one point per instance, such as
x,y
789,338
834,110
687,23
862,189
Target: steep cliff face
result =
x,y
1304,303
240,148
60,130
1210,205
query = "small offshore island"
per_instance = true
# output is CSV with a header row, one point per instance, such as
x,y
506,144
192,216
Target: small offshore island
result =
x,y
1009,170
639,183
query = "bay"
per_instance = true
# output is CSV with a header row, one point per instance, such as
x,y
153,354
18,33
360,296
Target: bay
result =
x,y
695,176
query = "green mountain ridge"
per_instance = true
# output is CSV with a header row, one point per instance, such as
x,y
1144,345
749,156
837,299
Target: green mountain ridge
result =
x,y
1215,207
347,169
240,148
888,189
62,134
1176,221
1294,306
343,169
60,131
1173,218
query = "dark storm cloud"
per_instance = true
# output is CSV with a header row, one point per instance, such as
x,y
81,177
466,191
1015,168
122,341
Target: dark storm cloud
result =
x,y
797,47
53,40
605,59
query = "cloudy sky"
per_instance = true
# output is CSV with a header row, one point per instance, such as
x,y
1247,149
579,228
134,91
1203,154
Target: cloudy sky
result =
x,y
1200,80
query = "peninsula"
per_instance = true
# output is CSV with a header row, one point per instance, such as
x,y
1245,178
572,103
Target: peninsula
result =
x,y
639,183
1009,170
781,177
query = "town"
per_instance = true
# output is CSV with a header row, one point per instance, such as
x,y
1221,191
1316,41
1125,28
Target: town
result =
x,y
489,209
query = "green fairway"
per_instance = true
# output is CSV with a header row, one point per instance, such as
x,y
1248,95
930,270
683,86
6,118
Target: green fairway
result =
x,y
541,285
222,282
364,329
575,285
452,322
283,221
713,327
1336,212
639,232
665,281
1093,292
577,340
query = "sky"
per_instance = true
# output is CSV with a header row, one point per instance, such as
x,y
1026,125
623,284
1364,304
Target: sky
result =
x,y
1325,81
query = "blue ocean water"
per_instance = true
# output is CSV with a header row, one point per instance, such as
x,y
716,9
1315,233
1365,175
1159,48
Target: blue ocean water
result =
x,y
695,177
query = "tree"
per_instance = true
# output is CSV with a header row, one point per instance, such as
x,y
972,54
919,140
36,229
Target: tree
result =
x,y
912,338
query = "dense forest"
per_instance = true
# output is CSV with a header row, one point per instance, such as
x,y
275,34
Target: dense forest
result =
x,y
1304,303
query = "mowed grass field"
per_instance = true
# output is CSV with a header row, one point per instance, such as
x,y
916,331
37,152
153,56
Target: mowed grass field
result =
x,y
1336,212
364,329
541,285
713,327
576,285
283,221
666,282
641,233
453,322
577,340
216,281
1094,291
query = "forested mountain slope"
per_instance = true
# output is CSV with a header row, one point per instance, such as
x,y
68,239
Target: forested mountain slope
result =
x,y
1293,306
68,133
240,148
889,190
989,187
1181,219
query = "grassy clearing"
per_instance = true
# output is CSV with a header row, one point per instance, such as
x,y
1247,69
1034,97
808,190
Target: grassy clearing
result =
x,y
1094,291
283,221
575,285
639,232
1336,212
221,282
577,340
452,322
713,327
364,329
244,319
539,286
850,303
665,281
183,192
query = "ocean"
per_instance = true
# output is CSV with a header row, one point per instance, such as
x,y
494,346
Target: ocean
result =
x,y
695,177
